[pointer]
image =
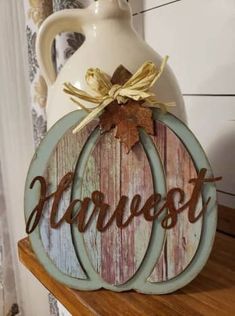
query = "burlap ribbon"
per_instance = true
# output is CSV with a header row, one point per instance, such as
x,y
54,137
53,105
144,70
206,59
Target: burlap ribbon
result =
x,y
136,88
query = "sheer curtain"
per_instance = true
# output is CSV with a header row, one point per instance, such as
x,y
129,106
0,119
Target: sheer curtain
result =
x,y
22,126
23,95
65,45
16,149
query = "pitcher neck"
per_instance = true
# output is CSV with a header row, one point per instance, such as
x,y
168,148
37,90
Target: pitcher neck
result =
x,y
110,9
109,28
107,17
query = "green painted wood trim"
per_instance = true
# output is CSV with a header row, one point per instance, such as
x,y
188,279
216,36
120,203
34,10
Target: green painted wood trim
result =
x,y
157,238
139,281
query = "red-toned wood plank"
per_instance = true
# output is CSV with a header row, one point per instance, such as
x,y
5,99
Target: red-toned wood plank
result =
x,y
184,238
136,178
181,241
111,243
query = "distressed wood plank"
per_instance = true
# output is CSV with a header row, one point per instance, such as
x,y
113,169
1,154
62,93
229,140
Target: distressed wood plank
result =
x,y
110,186
122,251
136,178
117,254
182,241
91,183
184,238
160,271
58,243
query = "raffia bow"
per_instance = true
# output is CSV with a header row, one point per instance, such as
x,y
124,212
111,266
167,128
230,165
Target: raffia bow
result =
x,y
136,88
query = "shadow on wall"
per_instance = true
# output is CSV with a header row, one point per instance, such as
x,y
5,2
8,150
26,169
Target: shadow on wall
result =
x,y
222,157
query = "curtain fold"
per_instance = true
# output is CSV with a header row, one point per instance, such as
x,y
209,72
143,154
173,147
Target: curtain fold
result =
x,y
8,296
65,45
16,150
36,11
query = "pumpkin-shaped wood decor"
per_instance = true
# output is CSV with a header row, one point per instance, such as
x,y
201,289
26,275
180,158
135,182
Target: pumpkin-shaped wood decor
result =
x,y
139,214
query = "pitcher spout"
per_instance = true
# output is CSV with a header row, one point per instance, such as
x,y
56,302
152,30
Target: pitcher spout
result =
x,y
111,8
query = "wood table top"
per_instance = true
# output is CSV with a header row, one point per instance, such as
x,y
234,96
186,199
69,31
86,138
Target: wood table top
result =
x,y
211,293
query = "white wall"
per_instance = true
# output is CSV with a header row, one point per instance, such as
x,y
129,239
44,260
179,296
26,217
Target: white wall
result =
x,y
199,37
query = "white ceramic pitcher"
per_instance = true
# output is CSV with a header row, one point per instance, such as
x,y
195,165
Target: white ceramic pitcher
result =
x,y
110,41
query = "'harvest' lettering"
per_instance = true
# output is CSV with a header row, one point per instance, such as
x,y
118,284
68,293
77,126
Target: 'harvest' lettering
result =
x,y
76,213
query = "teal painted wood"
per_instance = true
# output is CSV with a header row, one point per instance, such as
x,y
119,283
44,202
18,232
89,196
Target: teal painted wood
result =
x,y
38,167
159,272
182,241
116,254
90,183
210,218
58,243
158,233
139,281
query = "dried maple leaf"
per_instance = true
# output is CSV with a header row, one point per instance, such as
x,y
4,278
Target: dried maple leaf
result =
x,y
141,116
127,118
110,117
128,134
134,115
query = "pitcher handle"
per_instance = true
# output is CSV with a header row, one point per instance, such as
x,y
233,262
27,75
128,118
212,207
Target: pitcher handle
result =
x,y
62,21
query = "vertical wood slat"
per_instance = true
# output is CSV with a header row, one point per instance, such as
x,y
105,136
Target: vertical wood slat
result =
x,y
58,243
111,242
181,241
160,271
117,254
122,251
135,179
97,178
90,184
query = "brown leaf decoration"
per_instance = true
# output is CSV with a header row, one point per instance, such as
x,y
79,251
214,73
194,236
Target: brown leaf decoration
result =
x,y
121,75
128,134
141,116
110,117
127,118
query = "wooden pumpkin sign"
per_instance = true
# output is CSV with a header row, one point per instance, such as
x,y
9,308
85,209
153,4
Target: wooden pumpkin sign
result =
x,y
101,218
130,208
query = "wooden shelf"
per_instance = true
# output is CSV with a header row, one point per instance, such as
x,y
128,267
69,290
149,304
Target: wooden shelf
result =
x,y
211,293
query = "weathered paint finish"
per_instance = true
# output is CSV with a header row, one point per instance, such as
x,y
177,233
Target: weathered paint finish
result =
x,y
58,243
160,271
117,254
136,178
182,241
114,173
174,275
